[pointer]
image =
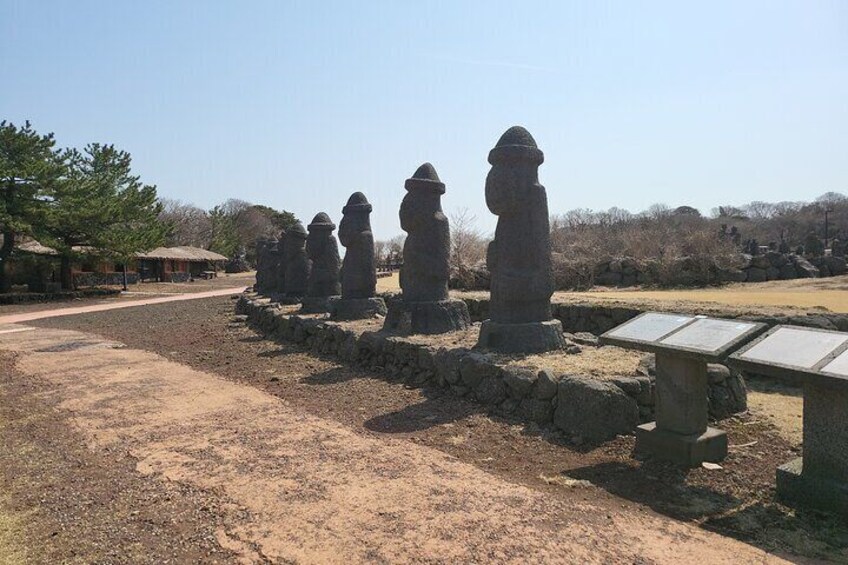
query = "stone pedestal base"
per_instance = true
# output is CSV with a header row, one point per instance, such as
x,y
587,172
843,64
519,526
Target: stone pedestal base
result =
x,y
357,308
283,299
533,337
426,317
798,489
690,450
316,304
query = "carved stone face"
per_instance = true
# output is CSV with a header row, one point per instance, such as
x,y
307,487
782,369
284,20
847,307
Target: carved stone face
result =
x,y
352,224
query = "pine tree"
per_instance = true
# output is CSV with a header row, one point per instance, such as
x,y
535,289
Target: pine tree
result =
x,y
30,166
102,208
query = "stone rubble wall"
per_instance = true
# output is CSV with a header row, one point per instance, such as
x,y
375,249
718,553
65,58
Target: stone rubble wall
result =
x,y
597,319
586,410
684,272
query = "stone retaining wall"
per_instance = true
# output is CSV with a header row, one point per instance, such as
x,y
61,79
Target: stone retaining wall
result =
x,y
585,409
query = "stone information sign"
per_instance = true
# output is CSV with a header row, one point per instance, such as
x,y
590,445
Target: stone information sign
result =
x,y
818,360
683,345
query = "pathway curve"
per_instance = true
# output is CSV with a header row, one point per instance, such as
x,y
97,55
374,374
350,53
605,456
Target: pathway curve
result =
x,y
297,488
29,316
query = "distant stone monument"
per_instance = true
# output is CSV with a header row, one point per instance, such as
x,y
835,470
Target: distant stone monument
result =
x,y
266,266
238,262
783,247
519,257
735,236
359,276
813,245
261,264
837,248
752,247
323,251
424,306
296,264
278,254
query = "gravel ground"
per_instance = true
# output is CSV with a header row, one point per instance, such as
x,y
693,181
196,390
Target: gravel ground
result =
x,y
82,506
737,500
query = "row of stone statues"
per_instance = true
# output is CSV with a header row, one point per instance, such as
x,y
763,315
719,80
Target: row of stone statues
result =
x,y
301,267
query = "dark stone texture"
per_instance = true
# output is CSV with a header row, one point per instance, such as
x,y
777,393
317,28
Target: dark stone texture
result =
x,y
359,276
356,308
425,272
594,410
688,450
519,257
424,306
426,317
323,252
296,262
519,380
532,337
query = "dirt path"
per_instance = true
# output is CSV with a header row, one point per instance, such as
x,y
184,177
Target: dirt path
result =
x,y
66,311
308,489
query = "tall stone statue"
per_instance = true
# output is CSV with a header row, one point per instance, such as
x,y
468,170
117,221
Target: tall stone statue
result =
x,y
424,306
278,265
837,248
323,251
519,258
266,266
359,276
296,264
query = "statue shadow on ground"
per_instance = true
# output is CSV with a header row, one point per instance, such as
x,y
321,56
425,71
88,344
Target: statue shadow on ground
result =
x,y
332,376
432,412
658,485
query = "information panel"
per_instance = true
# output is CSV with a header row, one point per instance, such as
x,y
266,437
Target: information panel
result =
x,y
649,327
795,347
709,334
690,336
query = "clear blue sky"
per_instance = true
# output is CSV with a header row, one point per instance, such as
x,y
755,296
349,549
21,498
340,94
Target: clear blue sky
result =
x,y
298,104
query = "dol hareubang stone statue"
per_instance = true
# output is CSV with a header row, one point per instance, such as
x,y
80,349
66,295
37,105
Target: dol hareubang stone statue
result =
x,y
277,262
359,276
424,306
323,251
296,263
519,257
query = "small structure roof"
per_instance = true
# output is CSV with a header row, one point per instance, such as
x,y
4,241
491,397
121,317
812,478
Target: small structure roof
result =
x,y
182,253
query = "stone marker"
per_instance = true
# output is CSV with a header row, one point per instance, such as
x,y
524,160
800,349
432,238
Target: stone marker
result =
x,y
819,360
424,306
262,270
359,276
277,265
683,346
837,248
296,264
323,251
519,257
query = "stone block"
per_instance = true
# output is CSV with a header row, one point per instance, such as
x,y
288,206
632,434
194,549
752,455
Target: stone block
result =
x,y
519,380
531,337
594,410
426,317
546,385
357,308
689,450
474,367
796,488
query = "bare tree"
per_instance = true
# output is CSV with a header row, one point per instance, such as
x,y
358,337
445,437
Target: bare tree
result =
x,y
188,224
468,245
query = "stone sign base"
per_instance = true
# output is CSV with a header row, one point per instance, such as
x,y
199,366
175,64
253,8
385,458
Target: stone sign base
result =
x,y
357,308
316,304
426,317
533,337
797,489
689,450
